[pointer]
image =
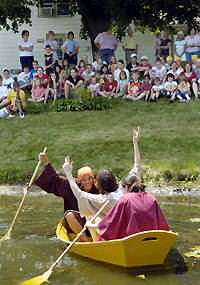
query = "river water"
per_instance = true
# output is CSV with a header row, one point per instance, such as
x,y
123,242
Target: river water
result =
x,y
33,246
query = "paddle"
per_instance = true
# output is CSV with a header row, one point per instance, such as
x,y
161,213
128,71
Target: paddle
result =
x,y
7,235
45,276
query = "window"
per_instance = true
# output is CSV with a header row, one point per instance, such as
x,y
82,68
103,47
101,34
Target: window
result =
x,y
50,9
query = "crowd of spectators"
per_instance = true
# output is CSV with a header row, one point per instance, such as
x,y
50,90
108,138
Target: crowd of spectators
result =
x,y
177,78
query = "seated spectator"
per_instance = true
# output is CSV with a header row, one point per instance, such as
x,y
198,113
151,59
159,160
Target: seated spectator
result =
x,y
145,89
43,77
144,67
88,73
170,87
109,88
121,67
162,59
194,59
179,64
33,71
97,64
134,87
6,112
183,91
112,64
7,80
16,97
191,77
81,67
158,71
58,70
156,90
37,92
73,82
104,72
133,64
49,60
85,59
122,85
174,70
53,88
134,212
3,94
94,87
169,60
100,80
62,78
66,66
24,79
197,71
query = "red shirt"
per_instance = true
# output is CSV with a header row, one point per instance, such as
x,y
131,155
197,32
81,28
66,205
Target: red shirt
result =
x,y
142,72
42,78
108,87
193,75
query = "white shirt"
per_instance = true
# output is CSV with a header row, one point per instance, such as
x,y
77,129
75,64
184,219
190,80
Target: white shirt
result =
x,y
3,91
158,72
158,87
92,86
170,83
117,72
95,65
24,44
4,113
7,82
24,77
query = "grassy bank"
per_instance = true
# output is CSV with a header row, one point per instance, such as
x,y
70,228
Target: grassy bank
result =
x,y
169,141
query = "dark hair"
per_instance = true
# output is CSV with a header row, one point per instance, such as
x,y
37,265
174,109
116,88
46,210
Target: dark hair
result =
x,y
70,33
136,72
104,65
157,78
75,69
170,75
190,29
63,63
137,187
81,61
40,67
129,180
50,80
173,62
24,32
88,64
120,60
26,66
111,57
48,46
146,75
35,61
158,60
106,181
122,72
1,78
50,33
185,63
109,73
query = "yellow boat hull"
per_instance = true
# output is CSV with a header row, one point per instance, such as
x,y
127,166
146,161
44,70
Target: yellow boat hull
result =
x,y
141,249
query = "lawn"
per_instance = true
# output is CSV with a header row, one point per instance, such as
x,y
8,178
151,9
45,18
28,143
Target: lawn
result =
x,y
169,141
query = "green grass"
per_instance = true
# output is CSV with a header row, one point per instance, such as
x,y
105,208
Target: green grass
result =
x,y
169,141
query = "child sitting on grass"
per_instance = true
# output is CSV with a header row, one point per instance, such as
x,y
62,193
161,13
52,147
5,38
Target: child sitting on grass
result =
x,y
6,112
156,90
62,78
16,97
24,79
81,67
37,91
183,90
94,87
109,88
53,88
122,86
170,86
145,89
134,87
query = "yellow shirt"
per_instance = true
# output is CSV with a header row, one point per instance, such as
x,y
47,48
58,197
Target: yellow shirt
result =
x,y
12,97
129,42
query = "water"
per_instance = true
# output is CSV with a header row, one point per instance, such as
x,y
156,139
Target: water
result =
x,y
34,247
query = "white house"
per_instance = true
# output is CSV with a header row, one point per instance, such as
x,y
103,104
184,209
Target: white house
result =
x,y
51,17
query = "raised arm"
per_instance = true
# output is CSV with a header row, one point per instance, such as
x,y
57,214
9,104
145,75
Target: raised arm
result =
x,y
67,168
136,136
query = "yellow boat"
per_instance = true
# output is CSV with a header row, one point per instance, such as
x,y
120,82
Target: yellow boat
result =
x,y
141,249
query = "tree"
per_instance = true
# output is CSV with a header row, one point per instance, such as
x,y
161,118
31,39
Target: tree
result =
x,y
96,15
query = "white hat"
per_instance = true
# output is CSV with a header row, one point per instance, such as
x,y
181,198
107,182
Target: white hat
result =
x,y
144,57
133,55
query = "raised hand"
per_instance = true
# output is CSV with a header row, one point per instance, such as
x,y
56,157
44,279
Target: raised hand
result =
x,y
67,166
136,135
43,157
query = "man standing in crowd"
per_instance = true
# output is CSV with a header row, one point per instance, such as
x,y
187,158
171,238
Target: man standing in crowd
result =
x,y
165,45
107,44
129,45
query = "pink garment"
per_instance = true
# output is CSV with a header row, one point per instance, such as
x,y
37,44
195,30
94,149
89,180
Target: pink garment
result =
x,y
80,71
195,41
37,92
132,213
106,41
145,87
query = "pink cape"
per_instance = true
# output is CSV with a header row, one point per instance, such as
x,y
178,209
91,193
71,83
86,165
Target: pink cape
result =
x,y
133,213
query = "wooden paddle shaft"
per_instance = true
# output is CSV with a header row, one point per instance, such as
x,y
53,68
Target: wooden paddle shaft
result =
x,y
25,195
75,239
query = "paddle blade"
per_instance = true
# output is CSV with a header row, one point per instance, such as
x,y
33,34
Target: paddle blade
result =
x,y
37,280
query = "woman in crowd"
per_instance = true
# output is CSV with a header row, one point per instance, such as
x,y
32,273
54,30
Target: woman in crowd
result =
x,y
197,71
71,48
180,46
73,82
174,70
191,77
165,45
53,88
193,44
26,50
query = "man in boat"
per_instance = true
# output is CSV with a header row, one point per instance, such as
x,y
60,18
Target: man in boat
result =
x,y
136,211
52,182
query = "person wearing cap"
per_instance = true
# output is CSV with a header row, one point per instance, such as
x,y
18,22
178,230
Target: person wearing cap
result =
x,y
129,45
169,60
144,67
107,184
131,66
180,46
52,182
165,45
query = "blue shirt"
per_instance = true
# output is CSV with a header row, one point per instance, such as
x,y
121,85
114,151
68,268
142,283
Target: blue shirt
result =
x,y
70,45
33,73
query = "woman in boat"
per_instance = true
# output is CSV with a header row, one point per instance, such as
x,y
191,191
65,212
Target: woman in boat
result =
x,y
136,211
52,182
